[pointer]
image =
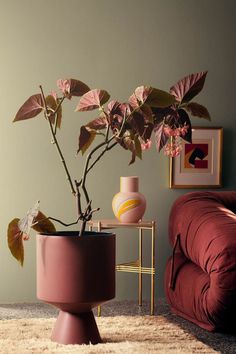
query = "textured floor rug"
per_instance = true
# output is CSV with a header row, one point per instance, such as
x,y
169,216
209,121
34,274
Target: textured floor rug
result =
x,y
121,334
125,328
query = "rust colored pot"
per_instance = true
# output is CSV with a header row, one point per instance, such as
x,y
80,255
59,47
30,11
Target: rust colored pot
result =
x,y
76,274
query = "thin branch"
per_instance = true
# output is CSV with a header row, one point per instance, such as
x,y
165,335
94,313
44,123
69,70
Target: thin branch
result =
x,y
107,148
57,144
57,220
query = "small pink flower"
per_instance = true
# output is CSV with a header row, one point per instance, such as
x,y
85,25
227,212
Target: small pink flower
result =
x,y
64,86
147,145
171,131
173,148
184,130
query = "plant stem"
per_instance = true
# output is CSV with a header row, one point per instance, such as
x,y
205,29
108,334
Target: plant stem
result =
x,y
55,141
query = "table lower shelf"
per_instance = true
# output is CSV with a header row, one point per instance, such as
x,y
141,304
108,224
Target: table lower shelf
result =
x,y
134,267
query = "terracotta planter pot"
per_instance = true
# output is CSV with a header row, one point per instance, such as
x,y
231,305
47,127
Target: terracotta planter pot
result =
x,y
76,274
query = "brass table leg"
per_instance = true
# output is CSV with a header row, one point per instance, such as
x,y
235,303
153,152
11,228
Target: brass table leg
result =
x,y
153,270
140,280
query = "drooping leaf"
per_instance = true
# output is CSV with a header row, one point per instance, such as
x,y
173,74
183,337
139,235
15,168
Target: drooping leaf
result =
x,y
86,138
160,137
31,108
42,224
98,123
197,110
184,120
15,240
26,222
92,99
72,87
138,148
51,106
188,87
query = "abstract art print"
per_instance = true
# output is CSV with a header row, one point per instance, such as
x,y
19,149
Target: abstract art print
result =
x,y
199,163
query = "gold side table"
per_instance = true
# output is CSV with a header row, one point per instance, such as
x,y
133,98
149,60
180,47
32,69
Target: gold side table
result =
x,y
134,266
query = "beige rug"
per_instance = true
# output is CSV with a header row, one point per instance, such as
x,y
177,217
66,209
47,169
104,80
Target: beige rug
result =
x,y
121,334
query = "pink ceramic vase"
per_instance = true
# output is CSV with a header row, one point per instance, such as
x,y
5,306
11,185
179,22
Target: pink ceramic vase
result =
x,y
76,274
129,205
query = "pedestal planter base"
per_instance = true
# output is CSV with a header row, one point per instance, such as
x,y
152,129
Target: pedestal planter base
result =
x,y
76,329
76,274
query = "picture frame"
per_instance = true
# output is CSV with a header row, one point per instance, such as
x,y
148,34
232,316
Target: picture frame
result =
x,y
199,164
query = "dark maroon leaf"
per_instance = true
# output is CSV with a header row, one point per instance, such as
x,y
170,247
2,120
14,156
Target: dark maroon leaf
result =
x,y
31,108
113,107
160,137
197,110
72,87
78,88
97,124
147,131
92,99
188,87
85,139
137,122
184,120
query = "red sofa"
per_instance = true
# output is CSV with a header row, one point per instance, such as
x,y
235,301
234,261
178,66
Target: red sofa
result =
x,y
200,277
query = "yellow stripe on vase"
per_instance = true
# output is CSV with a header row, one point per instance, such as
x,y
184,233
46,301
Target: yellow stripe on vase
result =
x,y
126,206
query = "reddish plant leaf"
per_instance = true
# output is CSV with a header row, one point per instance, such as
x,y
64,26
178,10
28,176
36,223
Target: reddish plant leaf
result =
x,y
137,122
97,124
151,96
72,87
92,100
188,87
197,110
159,98
160,137
184,120
78,88
138,148
43,224
147,113
85,139
51,107
147,131
113,107
31,108
15,240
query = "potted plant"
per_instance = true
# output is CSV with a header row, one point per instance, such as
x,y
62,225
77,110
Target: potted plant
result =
x,y
76,270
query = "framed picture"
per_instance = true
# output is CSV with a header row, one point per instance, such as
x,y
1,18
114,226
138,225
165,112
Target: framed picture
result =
x,y
199,164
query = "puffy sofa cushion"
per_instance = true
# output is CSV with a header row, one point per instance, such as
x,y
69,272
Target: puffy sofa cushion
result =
x,y
200,278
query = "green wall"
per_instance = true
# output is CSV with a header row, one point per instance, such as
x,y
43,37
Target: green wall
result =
x,y
116,45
